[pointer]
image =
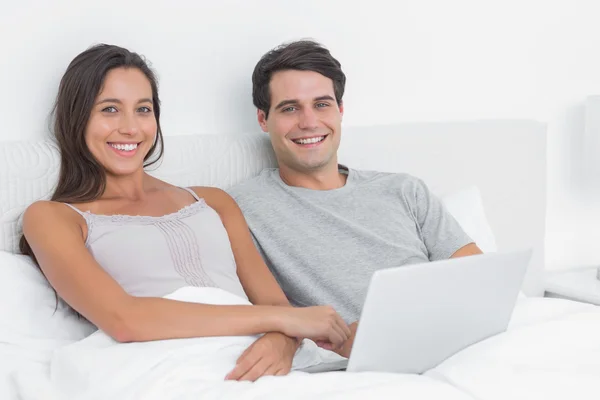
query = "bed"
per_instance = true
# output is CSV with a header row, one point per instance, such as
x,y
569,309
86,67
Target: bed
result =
x,y
491,176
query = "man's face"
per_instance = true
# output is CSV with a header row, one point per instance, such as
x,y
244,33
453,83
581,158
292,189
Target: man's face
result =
x,y
304,120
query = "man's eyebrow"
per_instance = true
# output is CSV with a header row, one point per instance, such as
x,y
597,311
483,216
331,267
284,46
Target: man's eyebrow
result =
x,y
326,97
286,103
294,101
111,100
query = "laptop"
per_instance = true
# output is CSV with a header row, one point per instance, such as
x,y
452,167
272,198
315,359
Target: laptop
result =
x,y
416,316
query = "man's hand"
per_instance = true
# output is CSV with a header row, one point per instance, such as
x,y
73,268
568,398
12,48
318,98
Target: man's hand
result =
x,y
271,354
346,348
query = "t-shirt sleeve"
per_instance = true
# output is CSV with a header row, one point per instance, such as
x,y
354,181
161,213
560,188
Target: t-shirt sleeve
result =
x,y
440,231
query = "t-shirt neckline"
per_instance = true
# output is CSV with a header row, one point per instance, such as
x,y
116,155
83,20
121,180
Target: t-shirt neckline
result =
x,y
315,192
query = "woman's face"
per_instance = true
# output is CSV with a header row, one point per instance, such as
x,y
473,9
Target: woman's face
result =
x,y
122,126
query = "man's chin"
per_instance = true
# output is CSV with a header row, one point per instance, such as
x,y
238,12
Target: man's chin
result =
x,y
311,166
310,169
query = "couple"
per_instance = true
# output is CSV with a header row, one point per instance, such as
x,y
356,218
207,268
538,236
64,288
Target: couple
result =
x,y
113,240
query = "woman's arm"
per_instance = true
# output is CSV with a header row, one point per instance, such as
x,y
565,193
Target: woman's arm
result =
x,y
55,235
260,285
273,353
258,282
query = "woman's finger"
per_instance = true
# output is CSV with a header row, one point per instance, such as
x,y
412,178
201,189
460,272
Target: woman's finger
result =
x,y
335,337
325,345
345,328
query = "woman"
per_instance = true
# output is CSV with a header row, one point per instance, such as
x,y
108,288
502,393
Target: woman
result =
x,y
113,240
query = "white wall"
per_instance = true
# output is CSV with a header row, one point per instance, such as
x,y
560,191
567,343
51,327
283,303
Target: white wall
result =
x,y
412,60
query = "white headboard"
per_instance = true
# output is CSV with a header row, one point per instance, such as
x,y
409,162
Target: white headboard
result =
x,y
506,160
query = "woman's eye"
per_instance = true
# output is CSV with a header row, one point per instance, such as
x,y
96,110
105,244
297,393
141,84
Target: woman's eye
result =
x,y
144,109
110,109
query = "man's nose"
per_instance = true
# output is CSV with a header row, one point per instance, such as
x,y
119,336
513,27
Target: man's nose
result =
x,y
308,119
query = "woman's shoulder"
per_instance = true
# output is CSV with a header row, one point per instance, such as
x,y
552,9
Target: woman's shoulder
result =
x,y
208,191
214,197
46,214
42,208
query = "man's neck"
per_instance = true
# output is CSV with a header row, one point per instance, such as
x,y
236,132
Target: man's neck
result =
x,y
325,179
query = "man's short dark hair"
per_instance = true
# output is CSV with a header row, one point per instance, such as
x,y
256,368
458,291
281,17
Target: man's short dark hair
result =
x,y
304,55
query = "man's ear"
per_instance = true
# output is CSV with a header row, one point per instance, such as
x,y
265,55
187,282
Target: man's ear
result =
x,y
341,107
262,120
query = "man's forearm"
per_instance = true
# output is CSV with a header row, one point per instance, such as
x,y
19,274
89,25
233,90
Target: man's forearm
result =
x,y
470,249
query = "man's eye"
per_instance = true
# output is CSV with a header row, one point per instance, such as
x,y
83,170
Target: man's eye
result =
x,y
144,109
289,109
321,105
110,109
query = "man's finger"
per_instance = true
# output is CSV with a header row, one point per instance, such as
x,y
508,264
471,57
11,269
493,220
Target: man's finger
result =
x,y
244,364
255,372
272,370
246,352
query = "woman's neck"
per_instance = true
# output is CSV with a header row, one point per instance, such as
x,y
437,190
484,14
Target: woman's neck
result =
x,y
132,187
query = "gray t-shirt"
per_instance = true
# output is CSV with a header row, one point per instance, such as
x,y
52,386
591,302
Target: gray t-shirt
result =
x,y
323,246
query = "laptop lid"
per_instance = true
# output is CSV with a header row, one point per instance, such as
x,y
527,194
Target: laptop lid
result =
x,y
416,316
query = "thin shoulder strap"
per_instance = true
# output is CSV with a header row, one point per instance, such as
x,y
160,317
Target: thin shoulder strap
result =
x,y
76,209
192,193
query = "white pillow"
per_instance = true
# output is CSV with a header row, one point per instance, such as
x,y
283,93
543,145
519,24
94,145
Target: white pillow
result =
x,y
466,207
30,319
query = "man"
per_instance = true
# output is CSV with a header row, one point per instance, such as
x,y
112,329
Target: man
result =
x,y
322,228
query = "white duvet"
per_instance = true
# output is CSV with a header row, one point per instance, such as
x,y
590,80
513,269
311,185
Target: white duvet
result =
x,y
551,351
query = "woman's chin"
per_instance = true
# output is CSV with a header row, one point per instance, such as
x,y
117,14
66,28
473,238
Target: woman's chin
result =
x,y
123,171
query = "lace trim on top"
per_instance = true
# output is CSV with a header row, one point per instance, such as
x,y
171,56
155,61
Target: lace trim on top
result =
x,y
121,219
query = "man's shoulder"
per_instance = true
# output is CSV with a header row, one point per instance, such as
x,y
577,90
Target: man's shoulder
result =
x,y
398,180
254,188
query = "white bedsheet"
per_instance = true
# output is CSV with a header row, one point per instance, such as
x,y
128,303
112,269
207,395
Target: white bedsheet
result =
x,y
15,358
100,368
551,351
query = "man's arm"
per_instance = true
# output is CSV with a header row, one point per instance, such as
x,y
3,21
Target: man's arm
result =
x,y
469,250
441,233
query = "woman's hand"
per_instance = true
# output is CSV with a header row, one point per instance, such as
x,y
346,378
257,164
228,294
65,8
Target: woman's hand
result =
x,y
271,354
346,348
321,324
